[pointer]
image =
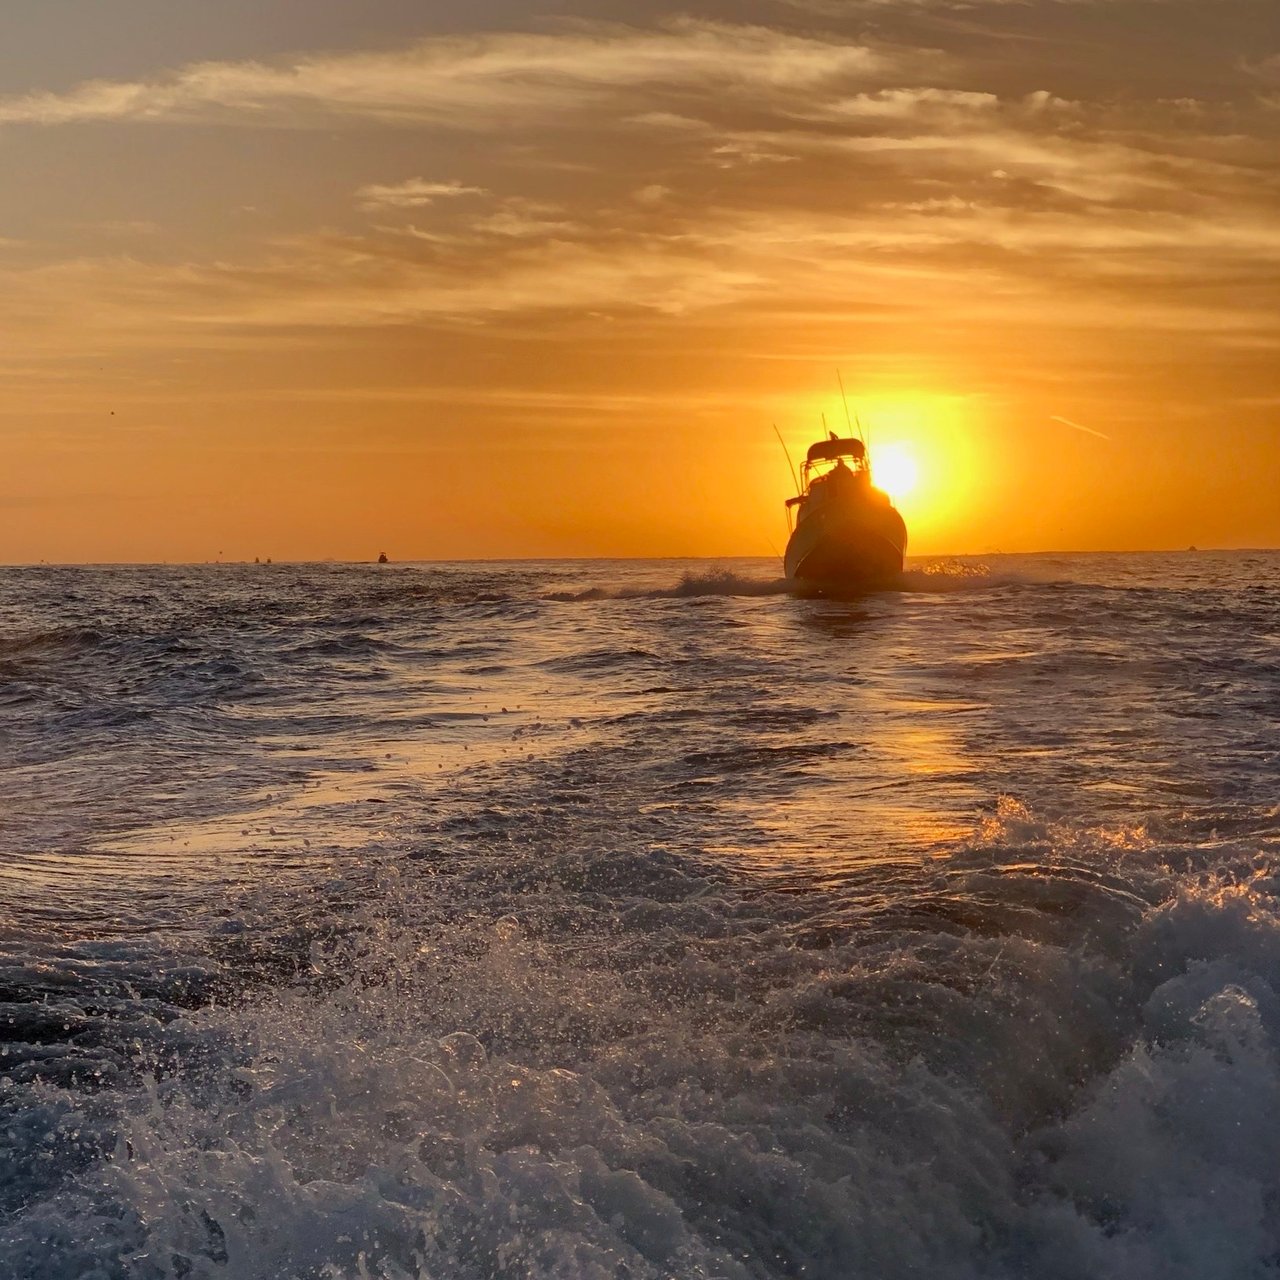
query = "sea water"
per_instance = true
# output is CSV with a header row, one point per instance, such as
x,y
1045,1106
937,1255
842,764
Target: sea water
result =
x,y
641,919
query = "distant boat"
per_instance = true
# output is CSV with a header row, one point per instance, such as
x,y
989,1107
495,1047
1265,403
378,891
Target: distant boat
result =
x,y
382,558
847,535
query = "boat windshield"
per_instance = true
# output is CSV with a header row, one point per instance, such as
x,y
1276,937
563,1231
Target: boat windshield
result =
x,y
833,467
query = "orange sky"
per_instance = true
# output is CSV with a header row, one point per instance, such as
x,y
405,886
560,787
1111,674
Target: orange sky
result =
x,y
297,281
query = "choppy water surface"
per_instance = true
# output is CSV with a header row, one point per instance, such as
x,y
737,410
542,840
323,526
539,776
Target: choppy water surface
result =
x,y
640,920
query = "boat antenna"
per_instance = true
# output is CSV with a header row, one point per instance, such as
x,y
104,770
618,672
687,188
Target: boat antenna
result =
x,y
845,401
795,478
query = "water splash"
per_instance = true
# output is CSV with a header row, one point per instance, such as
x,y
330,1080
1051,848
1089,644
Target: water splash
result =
x,y
691,586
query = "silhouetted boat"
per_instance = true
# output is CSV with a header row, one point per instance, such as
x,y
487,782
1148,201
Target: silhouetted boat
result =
x,y
382,558
847,533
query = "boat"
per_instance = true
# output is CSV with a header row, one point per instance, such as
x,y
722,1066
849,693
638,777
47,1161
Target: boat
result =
x,y
847,535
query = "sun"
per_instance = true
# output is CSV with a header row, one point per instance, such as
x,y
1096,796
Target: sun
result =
x,y
893,469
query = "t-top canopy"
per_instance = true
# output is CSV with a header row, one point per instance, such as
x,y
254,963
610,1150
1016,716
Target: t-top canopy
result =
x,y
830,450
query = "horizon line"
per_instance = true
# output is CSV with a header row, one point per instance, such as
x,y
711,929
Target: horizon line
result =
x,y
446,560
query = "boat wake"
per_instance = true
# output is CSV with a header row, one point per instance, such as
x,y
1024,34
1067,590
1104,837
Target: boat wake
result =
x,y
690,586
403,924
950,576
1041,1066
942,577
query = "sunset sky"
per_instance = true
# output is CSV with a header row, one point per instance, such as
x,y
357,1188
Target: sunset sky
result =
x,y
308,278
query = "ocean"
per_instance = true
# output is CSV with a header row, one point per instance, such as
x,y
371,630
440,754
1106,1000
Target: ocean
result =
x,y
638,919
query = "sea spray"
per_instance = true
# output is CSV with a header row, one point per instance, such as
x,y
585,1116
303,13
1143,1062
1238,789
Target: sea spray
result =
x,y
730,935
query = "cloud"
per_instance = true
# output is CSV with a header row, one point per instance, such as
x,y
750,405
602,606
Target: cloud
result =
x,y
353,282
952,260
1034,144
846,8
908,104
527,220
1267,71
901,194
469,81
1132,246
1075,426
748,148
413,193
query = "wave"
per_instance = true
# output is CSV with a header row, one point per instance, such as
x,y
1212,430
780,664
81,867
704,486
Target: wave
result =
x,y
60,641
690,586
1025,1066
712,987
931,579
951,576
693,586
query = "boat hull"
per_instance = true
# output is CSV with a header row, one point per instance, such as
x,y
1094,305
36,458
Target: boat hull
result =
x,y
847,547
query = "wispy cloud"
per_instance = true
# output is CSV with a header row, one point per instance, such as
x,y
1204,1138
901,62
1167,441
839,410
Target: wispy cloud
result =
x,y
903,192
413,193
523,219
841,8
958,262
1076,426
467,82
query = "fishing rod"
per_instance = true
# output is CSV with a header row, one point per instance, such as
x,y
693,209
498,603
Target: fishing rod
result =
x,y
845,401
781,558
794,476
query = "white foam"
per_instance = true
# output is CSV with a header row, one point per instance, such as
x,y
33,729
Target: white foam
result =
x,y
469,1100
